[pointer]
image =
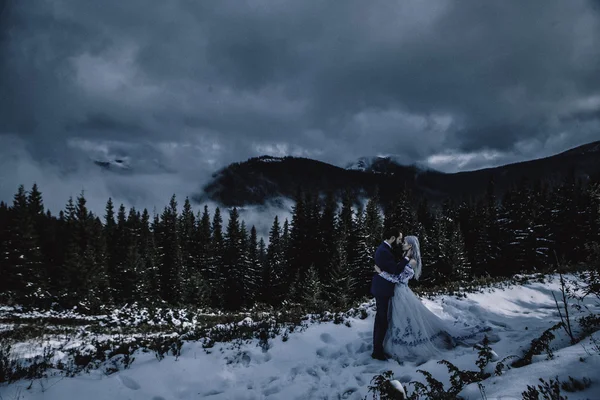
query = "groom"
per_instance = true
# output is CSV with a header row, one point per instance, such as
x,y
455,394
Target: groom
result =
x,y
382,289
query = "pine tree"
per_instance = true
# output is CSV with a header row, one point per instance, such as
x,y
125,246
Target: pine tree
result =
x,y
373,229
5,270
252,276
272,276
148,289
121,259
400,215
285,237
541,237
340,285
84,273
347,244
190,264
364,256
517,225
446,256
217,252
170,268
100,281
233,264
296,247
486,251
133,263
203,244
326,234
312,294
110,234
23,256
41,223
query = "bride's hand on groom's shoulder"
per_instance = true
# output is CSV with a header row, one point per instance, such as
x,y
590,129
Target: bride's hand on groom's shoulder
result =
x,y
377,269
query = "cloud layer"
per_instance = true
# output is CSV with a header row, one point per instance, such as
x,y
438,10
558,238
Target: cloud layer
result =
x,y
181,88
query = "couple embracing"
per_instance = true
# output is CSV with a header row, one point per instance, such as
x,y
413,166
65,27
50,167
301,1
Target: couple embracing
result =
x,y
404,328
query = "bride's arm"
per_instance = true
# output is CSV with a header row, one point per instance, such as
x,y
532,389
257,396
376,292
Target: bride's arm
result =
x,y
404,277
389,277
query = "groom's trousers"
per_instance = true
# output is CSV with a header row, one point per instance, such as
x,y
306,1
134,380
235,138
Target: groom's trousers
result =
x,y
381,323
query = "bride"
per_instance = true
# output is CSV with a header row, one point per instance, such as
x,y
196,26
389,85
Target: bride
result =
x,y
415,333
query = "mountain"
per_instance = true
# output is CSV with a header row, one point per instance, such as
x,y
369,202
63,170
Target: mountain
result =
x,y
262,179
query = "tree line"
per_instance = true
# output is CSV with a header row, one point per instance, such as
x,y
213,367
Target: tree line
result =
x,y
322,257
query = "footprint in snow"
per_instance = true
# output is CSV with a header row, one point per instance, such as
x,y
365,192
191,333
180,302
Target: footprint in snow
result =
x,y
361,382
364,348
293,373
323,352
348,392
212,393
313,372
327,338
272,390
129,383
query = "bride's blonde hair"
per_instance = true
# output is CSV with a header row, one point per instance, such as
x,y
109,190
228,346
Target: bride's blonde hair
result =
x,y
416,250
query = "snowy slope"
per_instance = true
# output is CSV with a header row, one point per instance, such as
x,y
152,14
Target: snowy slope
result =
x,y
333,361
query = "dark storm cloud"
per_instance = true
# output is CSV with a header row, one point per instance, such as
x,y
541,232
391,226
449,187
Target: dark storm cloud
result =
x,y
457,85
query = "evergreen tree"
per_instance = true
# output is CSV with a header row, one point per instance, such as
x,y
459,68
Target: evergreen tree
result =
x,y
312,294
252,277
5,266
203,244
23,256
400,215
272,276
190,264
170,268
84,274
373,225
486,253
326,234
262,258
217,251
132,266
285,237
148,279
233,264
340,285
121,259
110,234
296,249
364,256
446,256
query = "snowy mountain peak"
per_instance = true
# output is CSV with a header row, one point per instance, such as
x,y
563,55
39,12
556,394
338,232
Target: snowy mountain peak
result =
x,y
269,159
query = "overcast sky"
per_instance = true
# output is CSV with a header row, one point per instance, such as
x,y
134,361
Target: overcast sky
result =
x,y
180,88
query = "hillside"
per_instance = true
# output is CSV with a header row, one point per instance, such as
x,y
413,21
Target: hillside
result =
x,y
321,359
262,179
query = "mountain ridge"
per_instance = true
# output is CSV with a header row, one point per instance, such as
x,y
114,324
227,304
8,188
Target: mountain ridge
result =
x,y
261,179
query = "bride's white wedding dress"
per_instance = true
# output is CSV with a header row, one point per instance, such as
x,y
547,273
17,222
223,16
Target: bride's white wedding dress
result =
x,y
415,333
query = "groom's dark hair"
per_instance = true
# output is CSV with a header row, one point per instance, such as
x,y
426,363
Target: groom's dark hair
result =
x,y
389,232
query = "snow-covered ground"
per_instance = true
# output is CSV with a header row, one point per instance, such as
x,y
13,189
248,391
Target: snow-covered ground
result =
x,y
332,361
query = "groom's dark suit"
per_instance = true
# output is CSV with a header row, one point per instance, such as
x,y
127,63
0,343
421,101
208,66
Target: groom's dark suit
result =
x,y
383,291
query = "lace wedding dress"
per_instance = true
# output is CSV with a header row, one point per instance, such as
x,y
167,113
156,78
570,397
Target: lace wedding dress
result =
x,y
415,333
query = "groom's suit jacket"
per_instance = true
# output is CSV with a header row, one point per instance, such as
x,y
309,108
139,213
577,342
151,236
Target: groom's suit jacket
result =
x,y
384,259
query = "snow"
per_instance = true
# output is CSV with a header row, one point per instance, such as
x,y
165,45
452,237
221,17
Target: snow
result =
x,y
328,360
